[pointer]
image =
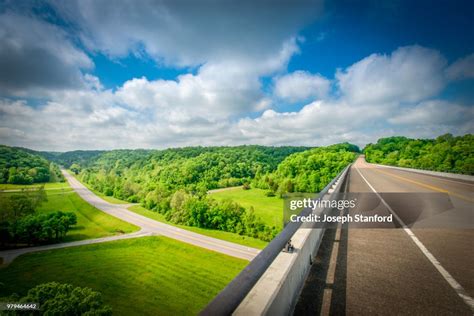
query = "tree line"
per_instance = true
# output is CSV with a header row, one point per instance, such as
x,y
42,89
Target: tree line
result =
x,y
203,211
60,299
20,166
21,224
446,153
132,174
307,171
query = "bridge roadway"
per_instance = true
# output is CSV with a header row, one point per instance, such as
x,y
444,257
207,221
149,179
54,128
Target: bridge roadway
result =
x,y
425,267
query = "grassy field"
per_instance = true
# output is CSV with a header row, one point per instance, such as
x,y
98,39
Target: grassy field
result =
x,y
91,222
231,237
47,186
269,209
144,276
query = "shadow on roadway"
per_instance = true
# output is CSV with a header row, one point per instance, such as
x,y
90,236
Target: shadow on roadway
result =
x,y
324,291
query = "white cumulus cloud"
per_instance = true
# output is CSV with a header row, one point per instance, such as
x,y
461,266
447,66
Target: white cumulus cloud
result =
x,y
189,33
463,68
301,86
409,74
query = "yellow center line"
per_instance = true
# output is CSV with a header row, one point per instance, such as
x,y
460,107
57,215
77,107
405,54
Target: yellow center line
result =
x,y
428,186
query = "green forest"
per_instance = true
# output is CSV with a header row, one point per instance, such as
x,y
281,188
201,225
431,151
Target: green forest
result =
x,y
174,182
68,158
446,153
132,174
21,166
307,171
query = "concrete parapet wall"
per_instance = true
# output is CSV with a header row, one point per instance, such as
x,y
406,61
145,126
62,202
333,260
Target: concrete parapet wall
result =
x,y
277,291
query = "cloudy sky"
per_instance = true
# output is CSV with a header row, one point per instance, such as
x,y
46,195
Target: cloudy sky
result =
x,y
97,74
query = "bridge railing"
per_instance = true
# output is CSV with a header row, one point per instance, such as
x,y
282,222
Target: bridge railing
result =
x,y
228,300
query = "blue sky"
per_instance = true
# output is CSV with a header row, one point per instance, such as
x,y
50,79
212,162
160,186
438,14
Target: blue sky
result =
x,y
347,32
149,74
354,30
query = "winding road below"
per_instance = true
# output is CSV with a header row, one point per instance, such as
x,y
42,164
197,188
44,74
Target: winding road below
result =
x,y
148,227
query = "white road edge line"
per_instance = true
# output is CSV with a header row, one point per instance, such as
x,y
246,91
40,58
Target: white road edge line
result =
x,y
444,273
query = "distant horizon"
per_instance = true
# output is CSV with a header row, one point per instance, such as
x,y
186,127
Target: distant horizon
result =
x,y
236,145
